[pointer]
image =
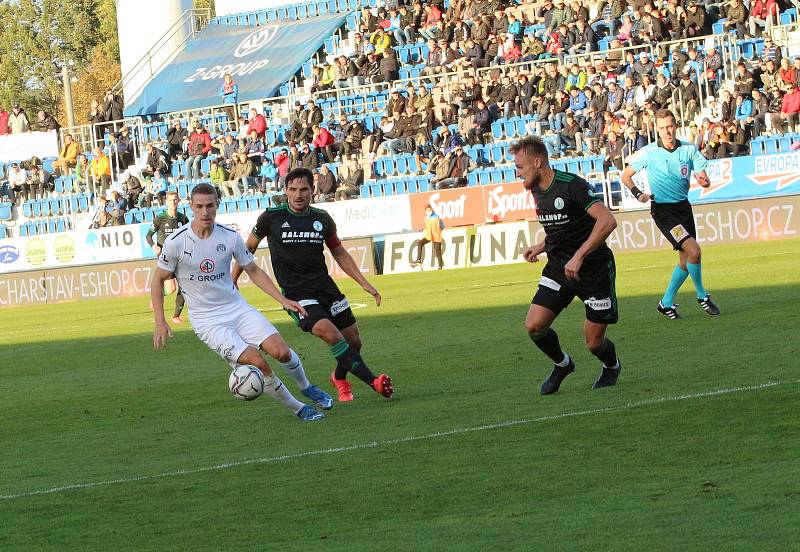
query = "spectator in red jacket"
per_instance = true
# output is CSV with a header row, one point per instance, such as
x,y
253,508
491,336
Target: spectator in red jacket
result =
x,y
282,162
323,141
4,122
199,146
258,123
762,12
790,111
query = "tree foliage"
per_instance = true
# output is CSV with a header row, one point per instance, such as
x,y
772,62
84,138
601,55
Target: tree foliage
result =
x,y
39,37
206,4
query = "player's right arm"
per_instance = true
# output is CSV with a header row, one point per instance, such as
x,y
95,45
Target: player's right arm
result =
x,y
150,233
532,253
251,244
627,180
162,330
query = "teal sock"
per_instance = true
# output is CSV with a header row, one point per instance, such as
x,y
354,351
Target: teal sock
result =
x,y
697,278
677,279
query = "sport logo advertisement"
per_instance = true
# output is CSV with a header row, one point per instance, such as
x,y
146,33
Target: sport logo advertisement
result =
x,y
8,254
207,266
255,41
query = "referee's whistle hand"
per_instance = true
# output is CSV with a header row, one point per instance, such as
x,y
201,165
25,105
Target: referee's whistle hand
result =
x,y
644,198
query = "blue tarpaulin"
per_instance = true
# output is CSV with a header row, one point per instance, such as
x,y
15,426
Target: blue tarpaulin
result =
x,y
260,59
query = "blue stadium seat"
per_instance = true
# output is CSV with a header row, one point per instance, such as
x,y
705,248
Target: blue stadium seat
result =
x,y
83,203
44,207
252,203
241,205
510,127
27,209
498,130
388,189
364,191
413,186
771,145
483,175
376,190
55,206
3,231
472,179
6,211
61,225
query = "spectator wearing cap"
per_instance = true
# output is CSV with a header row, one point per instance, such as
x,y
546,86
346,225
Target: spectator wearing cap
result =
x,y
643,66
696,20
308,158
789,118
396,102
18,120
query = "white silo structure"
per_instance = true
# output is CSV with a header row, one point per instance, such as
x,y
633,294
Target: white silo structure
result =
x,y
151,32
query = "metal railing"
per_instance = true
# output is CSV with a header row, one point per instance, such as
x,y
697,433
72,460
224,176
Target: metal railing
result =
x,y
171,43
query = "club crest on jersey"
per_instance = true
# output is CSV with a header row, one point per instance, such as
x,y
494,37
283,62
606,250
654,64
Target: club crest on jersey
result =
x,y
221,247
317,226
558,203
207,266
684,171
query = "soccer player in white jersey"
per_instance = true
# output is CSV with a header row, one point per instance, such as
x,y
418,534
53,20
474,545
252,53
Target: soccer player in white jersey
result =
x,y
199,256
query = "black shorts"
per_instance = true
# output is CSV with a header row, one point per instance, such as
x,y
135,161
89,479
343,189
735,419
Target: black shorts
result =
x,y
675,220
322,306
596,289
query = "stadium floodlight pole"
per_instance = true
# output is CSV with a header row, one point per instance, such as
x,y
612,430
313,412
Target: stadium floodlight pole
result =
x,y
66,78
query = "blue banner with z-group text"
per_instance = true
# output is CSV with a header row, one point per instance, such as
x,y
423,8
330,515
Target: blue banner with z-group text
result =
x,y
748,177
260,60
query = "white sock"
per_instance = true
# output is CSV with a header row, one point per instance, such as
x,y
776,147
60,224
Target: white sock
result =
x,y
277,390
564,363
294,368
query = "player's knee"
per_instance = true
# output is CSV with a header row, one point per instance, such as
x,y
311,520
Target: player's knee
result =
x,y
594,342
536,328
282,353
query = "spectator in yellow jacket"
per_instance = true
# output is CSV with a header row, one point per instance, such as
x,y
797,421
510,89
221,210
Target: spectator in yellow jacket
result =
x,y
67,158
100,171
432,234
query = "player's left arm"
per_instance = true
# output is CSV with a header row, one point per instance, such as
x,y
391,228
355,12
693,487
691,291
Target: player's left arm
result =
x,y
604,224
348,264
251,244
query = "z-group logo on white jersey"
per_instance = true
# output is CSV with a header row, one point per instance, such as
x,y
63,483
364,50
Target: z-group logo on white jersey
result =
x,y
255,41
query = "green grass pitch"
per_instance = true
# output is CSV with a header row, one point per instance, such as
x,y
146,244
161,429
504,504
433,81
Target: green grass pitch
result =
x,y
106,444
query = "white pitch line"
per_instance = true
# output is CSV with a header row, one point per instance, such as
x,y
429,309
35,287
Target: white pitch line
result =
x,y
413,438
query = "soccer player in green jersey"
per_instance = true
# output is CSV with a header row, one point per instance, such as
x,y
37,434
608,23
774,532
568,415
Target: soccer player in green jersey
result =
x,y
668,165
164,225
579,262
297,234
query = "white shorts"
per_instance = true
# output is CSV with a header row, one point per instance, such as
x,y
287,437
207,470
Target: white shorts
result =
x,y
230,339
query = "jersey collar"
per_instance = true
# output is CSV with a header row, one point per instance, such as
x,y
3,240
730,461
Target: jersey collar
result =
x,y
661,145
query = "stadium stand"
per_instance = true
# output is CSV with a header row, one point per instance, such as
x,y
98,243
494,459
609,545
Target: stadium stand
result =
x,y
476,78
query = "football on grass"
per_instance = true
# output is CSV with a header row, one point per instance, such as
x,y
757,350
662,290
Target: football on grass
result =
x,y
246,382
